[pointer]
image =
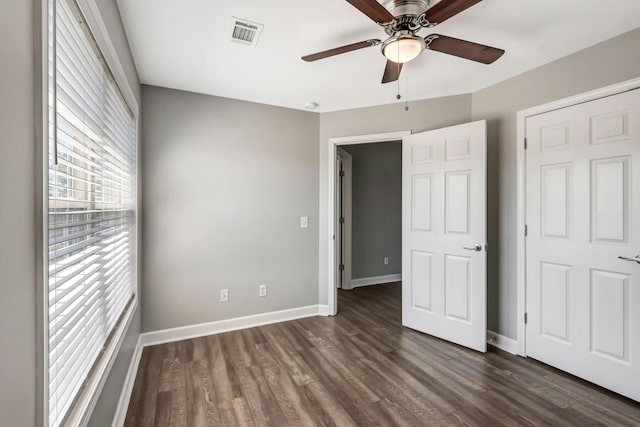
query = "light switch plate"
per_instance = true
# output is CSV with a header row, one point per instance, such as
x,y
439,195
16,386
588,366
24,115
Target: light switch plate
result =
x,y
304,222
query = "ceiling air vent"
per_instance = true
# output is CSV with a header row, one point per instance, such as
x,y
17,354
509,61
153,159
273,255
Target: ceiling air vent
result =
x,y
245,32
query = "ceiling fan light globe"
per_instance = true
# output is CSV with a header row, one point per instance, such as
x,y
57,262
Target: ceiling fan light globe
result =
x,y
403,49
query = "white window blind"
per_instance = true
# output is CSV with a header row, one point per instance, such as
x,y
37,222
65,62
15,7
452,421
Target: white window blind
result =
x,y
91,207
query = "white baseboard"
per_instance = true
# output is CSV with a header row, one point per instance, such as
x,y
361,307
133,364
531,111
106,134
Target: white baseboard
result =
x,y
323,310
211,328
503,343
127,388
378,280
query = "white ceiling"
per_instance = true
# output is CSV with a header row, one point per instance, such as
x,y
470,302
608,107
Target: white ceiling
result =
x,y
186,45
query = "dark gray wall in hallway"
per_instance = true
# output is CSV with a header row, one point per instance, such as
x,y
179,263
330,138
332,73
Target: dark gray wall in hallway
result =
x,y
376,209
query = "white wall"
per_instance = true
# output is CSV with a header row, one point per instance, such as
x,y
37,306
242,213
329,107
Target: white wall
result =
x,y
225,185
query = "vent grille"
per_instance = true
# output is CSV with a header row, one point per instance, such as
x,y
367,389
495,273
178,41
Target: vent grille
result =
x,y
245,32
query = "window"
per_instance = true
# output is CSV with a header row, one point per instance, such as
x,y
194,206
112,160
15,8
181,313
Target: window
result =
x,y
91,210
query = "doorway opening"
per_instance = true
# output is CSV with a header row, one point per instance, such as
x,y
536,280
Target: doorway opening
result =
x,y
369,218
336,247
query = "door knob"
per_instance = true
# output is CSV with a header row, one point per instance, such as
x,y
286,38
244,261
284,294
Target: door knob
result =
x,y
636,259
476,248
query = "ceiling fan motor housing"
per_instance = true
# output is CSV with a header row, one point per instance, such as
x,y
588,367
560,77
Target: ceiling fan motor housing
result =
x,y
412,8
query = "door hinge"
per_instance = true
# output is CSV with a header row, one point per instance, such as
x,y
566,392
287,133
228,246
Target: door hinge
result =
x,y
526,318
526,231
341,220
341,173
341,267
525,144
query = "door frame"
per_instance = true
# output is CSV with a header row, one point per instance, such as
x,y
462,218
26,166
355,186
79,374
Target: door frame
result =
x,y
521,278
332,294
346,203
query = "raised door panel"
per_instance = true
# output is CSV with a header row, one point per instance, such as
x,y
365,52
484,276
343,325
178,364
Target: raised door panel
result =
x,y
421,280
421,153
457,287
555,198
457,149
610,200
609,315
421,202
555,137
610,127
457,202
555,297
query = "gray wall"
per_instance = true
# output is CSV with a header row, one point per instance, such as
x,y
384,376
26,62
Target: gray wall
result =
x,y
17,229
607,63
422,115
225,185
376,209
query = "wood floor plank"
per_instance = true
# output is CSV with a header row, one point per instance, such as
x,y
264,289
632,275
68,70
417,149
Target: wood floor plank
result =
x,y
360,368
225,380
162,417
236,413
142,406
260,398
330,411
359,408
300,373
283,388
201,402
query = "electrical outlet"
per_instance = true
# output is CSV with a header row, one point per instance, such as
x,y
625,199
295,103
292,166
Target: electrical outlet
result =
x,y
263,290
224,295
386,260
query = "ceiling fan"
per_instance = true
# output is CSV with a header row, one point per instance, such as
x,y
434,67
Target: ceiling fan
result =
x,y
402,20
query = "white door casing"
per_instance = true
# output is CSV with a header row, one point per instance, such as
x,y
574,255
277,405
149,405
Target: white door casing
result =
x,y
329,204
444,212
582,213
344,245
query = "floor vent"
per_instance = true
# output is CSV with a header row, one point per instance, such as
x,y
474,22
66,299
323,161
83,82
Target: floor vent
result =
x,y
245,32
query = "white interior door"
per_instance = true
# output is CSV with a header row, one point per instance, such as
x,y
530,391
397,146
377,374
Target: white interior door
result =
x,y
583,212
444,233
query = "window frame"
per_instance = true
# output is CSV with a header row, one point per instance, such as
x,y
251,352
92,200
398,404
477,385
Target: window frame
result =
x,y
82,409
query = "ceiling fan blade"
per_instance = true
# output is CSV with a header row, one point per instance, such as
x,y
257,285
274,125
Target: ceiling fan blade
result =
x,y
341,49
465,49
391,72
444,10
373,10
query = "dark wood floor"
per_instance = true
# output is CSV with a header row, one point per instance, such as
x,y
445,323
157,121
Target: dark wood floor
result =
x,y
358,368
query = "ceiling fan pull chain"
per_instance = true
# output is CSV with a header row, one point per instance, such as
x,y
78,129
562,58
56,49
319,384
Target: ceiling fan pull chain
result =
x,y
398,96
406,90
